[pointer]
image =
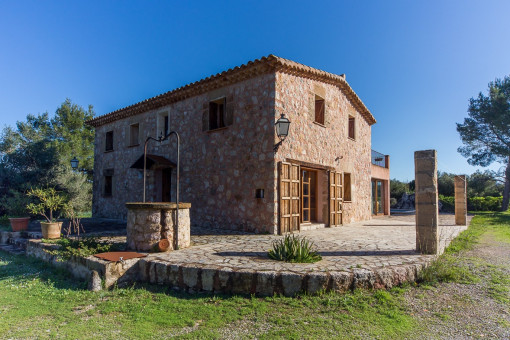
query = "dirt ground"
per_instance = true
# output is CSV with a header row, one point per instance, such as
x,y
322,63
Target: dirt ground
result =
x,y
460,311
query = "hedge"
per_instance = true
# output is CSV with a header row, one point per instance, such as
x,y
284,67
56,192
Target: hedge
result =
x,y
474,203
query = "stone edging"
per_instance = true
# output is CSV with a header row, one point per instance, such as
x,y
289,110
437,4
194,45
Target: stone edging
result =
x,y
194,278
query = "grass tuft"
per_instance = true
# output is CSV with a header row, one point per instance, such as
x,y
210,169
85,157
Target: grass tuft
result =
x,y
294,249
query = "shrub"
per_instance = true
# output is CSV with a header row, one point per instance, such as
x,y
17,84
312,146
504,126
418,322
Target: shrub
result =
x,y
50,201
448,203
485,203
294,249
84,247
474,203
15,204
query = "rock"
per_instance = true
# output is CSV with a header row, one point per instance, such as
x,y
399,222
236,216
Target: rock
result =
x,y
363,278
208,279
190,277
384,278
405,202
291,283
317,282
265,283
341,281
95,284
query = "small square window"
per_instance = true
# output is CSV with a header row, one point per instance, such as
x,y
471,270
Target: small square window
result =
x,y
352,127
347,187
108,186
217,110
109,141
134,131
320,108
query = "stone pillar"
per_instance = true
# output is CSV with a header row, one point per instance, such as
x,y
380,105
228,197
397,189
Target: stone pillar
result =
x,y
427,236
460,200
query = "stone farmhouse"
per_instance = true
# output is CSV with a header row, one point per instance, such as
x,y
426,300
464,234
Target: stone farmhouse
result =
x,y
323,174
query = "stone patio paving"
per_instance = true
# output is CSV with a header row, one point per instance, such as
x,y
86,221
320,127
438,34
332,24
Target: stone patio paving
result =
x,y
380,242
379,253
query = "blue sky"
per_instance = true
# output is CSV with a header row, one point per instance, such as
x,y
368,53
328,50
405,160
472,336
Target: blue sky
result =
x,y
415,64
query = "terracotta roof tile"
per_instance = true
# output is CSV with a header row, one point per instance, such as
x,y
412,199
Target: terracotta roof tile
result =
x,y
264,65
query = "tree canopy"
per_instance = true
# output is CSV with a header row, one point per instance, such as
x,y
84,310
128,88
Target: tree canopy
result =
x,y
37,152
485,133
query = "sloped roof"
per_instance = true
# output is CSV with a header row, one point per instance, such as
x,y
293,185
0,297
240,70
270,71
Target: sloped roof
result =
x,y
264,65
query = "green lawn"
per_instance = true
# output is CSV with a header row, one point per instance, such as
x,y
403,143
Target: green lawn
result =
x,y
37,300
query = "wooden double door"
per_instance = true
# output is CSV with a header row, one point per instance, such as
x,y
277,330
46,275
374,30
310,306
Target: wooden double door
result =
x,y
298,193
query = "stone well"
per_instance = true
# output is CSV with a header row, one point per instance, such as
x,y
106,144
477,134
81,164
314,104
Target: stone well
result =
x,y
148,223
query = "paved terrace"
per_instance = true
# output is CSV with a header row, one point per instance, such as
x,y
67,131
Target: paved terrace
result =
x,y
377,253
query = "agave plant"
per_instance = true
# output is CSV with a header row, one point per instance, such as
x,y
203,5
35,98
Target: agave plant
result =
x,y
294,249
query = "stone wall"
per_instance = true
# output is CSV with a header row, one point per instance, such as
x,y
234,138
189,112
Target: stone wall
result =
x,y
148,223
326,145
220,170
112,273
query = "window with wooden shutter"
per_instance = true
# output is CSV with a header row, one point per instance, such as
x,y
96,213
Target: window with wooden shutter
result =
x,y
108,141
320,108
347,187
108,186
163,124
229,111
217,114
108,182
166,126
352,127
134,130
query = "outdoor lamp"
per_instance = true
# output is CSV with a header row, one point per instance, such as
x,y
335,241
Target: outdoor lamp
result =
x,y
282,130
74,163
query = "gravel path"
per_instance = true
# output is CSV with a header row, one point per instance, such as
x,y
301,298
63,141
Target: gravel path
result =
x,y
460,311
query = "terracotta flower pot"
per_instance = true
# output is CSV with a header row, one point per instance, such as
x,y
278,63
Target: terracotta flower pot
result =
x,y
51,230
19,223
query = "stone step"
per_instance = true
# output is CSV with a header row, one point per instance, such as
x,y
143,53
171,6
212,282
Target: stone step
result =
x,y
18,242
12,249
312,226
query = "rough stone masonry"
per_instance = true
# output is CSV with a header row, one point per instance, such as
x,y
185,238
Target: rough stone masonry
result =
x,y
426,201
460,200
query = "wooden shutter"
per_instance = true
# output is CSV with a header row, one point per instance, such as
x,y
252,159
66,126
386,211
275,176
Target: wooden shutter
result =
x,y
289,197
335,198
229,112
352,128
205,117
319,110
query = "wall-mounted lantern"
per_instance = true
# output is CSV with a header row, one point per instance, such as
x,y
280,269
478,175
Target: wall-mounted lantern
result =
x,y
74,163
259,193
282,130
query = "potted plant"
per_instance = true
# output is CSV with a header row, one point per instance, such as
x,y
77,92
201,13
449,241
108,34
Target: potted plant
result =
x,y
15,206
50,201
